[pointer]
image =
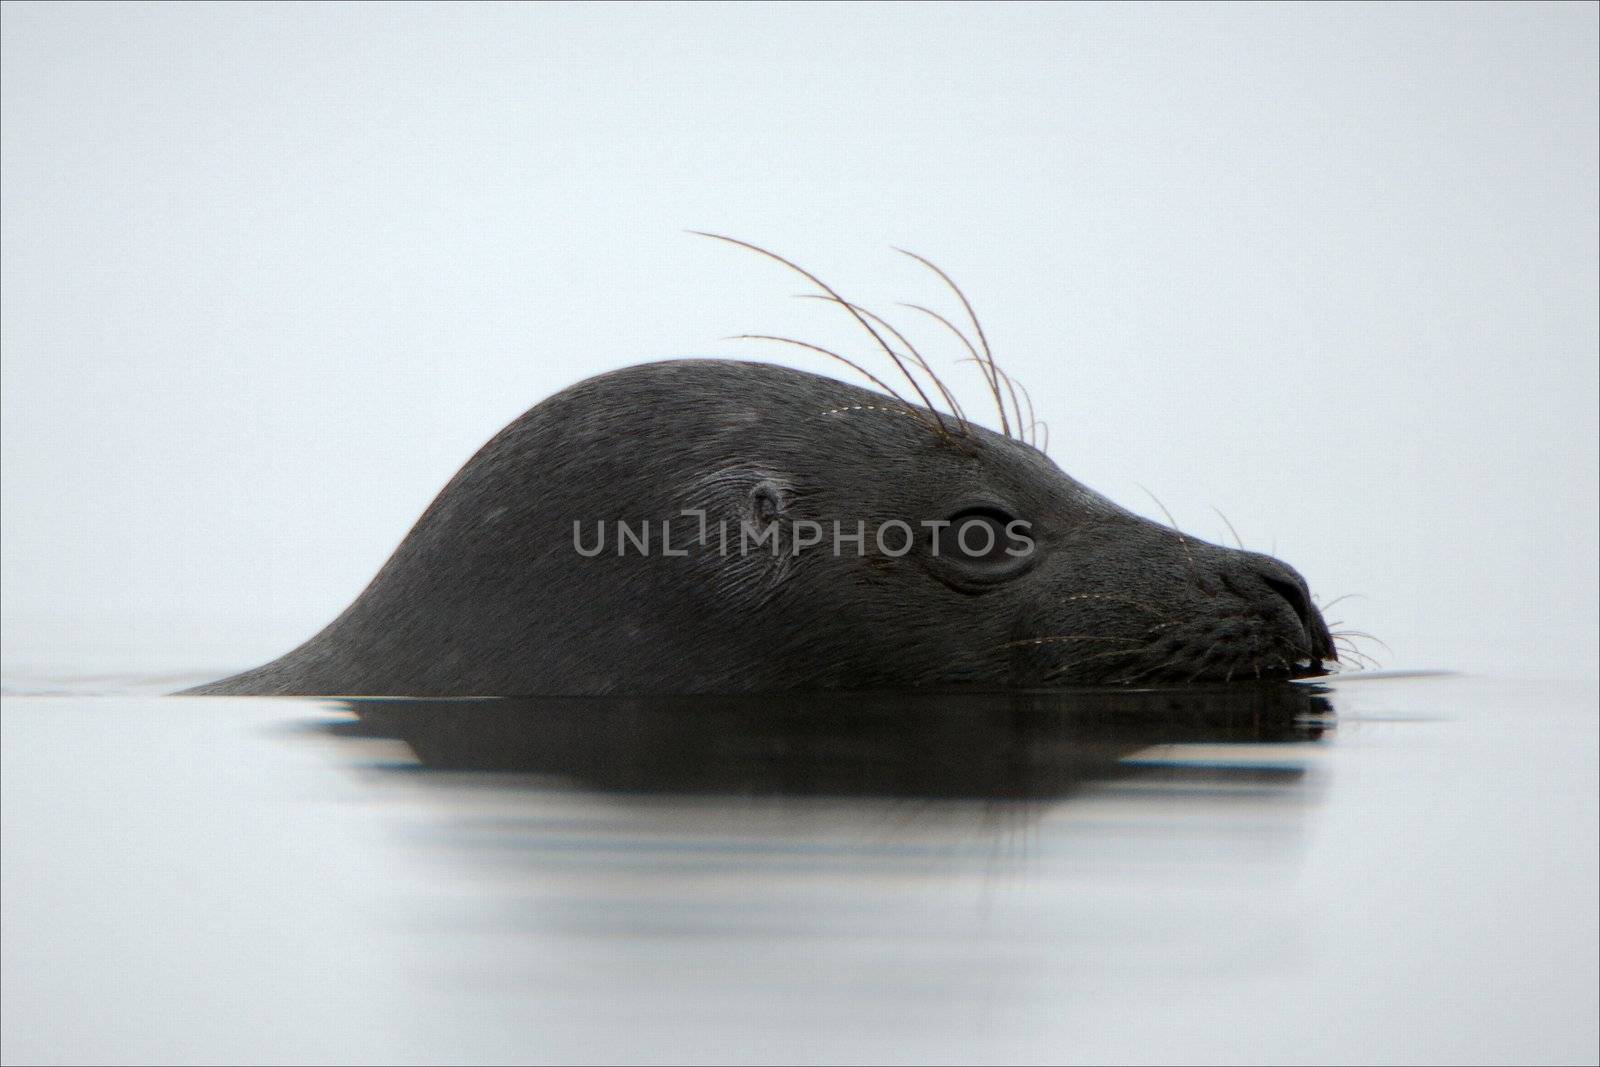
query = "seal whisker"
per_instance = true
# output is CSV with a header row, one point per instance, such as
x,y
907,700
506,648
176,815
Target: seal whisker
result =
x,y
866,407
1011,388
1237,540
1158,613
1361,659
1032,420
825,287
960,336
911,349
1325,607
1184,541
1061,638
1067,668
852,364
1364,635
1137,676
1344,640
983,341
989,378
1113,652
1343,646
1344,643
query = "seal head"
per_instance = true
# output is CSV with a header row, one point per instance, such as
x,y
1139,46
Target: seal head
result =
x,y
749,483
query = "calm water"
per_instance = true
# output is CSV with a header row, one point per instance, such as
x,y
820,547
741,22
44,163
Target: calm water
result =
x,y
1396,869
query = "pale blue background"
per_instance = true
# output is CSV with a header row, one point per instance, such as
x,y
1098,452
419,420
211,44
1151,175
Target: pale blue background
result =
x,y
272,273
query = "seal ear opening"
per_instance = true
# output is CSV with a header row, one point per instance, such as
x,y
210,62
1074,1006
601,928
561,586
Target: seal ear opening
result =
x,y
742,494
767,502
744,508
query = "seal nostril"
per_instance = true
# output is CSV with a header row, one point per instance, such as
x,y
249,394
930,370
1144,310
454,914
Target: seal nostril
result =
x,y
1295,596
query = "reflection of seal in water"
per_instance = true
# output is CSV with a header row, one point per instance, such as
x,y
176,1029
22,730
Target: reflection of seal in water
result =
x,y
495,590
1013,745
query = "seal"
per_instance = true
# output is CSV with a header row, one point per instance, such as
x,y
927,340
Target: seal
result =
x,y
491,594
720,526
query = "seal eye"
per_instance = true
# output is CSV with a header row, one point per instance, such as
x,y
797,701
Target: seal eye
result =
x,y
981,545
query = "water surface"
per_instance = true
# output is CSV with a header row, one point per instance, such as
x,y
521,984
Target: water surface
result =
x,y
1367,868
